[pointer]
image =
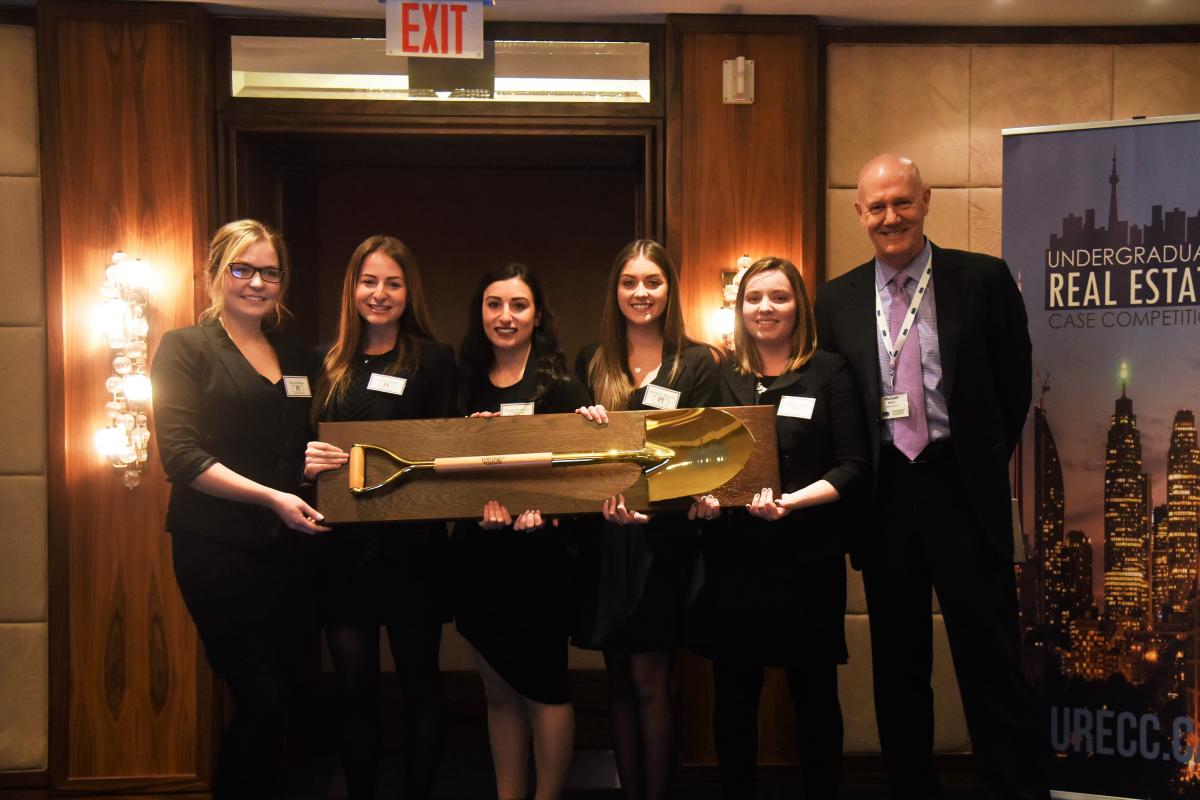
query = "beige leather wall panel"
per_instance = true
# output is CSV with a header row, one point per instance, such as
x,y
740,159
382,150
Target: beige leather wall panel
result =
x,y
24,668
21,272
1156,80
858,703
1014,86
23,556
950,733
19,109
23,696
846,242
984,208
854,690
23,400
907,99
856,598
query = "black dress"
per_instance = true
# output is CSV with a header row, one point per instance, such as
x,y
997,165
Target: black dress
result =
x,y
375,574
637,580
514,589
775,592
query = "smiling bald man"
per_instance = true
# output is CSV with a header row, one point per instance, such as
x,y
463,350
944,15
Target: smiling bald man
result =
x,y
939,344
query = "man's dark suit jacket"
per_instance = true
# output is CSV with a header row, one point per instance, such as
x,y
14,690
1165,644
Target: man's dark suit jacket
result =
x,y
204,413
986,371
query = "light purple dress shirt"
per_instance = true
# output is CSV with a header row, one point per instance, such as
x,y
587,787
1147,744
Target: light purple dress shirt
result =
x,y
931,356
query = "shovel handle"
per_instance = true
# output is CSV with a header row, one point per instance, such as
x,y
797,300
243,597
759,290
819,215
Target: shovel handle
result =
x,y
506,461
358,465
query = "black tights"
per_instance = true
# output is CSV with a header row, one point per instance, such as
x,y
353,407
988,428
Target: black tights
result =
x,y
818,717
639,706
355,652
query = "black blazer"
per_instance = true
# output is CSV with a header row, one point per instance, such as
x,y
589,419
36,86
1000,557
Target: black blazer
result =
x,y
696,379
832,444
987,372
205,411
775,592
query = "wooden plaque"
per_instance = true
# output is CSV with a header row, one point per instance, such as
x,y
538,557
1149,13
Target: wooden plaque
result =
x,y
552,490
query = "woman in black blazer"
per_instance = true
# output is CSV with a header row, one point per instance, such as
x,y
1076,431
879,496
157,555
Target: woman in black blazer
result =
x,y
385,364
231,403
775,590
637,571
514,575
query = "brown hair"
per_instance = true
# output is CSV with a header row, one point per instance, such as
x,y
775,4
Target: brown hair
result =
x,y
228,243
414,322
608,371
804,335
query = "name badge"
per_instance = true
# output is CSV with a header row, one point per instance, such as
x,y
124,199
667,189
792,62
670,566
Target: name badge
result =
x,y
893,406
296,386
516,409
798,407
659,397
386,383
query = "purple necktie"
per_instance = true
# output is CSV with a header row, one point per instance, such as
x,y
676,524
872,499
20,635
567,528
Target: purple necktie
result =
x,y
909,434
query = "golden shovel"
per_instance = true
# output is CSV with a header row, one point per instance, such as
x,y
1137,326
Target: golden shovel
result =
x,y
687,451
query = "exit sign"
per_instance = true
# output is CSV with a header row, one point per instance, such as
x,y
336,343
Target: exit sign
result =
x,y
435,29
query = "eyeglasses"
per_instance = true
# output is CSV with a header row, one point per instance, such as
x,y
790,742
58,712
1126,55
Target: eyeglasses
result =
x,y
245,272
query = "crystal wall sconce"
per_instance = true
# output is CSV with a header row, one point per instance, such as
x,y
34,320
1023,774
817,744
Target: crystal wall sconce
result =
x,y
723,317
121,320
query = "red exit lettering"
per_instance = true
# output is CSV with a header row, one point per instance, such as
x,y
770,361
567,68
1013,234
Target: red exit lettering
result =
x,y
432,28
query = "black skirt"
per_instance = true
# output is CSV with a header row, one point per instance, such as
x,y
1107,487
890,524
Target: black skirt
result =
x,y
376,574
515,602
637,582
774,592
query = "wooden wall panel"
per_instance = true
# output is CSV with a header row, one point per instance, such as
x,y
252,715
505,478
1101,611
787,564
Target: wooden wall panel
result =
x,y
123,101
741,179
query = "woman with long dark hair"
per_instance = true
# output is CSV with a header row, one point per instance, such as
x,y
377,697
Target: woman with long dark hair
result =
x,y
385,364
775,588
639,571
231,403
514,583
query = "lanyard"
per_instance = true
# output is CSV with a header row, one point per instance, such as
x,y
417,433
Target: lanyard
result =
x,y
910,318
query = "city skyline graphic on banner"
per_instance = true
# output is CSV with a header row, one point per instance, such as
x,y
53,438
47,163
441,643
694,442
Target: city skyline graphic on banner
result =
x,y
1109,264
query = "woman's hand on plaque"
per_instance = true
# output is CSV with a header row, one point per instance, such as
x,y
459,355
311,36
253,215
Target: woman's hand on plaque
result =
x,y
495,516
295,513
322,456
766,506
484,414
595,414
615,510
532,520
705,507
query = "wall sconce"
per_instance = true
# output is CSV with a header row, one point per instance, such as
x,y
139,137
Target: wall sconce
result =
x,y
722,318
737,81
120,319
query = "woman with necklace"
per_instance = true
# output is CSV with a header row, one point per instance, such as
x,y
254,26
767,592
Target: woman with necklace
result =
x,y
514,575
639,571
231,416
775,589
385,364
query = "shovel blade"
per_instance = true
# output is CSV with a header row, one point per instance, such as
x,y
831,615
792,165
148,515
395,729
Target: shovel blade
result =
x,y
710,447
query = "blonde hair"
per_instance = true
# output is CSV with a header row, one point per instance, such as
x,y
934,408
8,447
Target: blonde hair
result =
x,y
608,371
414,323
804,334
228,243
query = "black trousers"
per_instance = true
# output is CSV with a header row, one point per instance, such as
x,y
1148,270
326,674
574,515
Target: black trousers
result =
x,y
928,538
248,612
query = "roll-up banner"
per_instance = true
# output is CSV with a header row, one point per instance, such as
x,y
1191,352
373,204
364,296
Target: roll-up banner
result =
x,y
1102,229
